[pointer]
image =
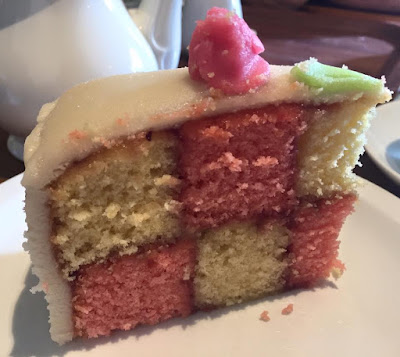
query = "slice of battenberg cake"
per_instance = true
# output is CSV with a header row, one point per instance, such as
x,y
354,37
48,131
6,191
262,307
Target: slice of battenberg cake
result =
x,y
153,195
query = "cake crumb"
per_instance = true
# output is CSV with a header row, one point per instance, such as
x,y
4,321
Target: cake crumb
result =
x,y
338,269
254,119
167,180
186,273
77,134
45,287
215,93
112,210
265,161
227,160
264,316
217,132
287,310
107,143
122,122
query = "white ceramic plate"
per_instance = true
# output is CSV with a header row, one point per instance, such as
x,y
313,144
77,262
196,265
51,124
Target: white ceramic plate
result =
x,y
358,315
384,140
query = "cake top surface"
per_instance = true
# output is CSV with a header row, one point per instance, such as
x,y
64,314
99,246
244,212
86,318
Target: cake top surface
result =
x,y
95,114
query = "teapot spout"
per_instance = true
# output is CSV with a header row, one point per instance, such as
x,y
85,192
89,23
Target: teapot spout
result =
x,y
160,22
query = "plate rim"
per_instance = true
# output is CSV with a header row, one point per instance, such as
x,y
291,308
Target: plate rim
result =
x,y
373,153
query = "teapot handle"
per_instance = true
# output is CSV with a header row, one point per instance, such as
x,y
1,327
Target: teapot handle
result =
x,y
160,22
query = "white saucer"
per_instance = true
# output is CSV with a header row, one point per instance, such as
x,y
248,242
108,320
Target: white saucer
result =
x,y
356,316
384,139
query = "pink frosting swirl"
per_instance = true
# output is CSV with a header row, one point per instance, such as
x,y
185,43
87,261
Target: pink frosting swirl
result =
x,y
224,53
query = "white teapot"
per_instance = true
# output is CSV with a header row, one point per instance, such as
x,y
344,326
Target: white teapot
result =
x,y
49,46
160,22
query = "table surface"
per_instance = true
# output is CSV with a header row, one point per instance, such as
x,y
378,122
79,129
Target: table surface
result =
x,y
364,56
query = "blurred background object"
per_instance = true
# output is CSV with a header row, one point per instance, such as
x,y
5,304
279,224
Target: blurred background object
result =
x,y
374,5
160,21
279,3
368,42
390,6
194,10
130,4
48,46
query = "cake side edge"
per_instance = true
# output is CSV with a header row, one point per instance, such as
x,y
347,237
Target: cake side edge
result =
x,y
57,290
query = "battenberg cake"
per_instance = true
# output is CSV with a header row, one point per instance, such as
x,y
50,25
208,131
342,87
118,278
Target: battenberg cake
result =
x,y
155,195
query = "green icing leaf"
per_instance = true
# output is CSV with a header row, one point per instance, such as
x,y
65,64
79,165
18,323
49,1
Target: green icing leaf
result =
x,y
333,79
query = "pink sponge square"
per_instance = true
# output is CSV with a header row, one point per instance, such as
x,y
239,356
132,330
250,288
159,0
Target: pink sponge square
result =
x,y
144,288
314,248
239,165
